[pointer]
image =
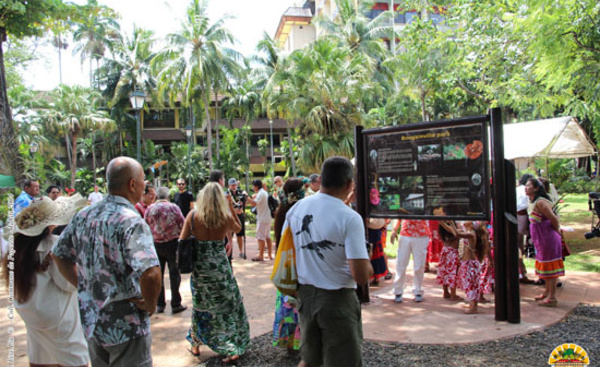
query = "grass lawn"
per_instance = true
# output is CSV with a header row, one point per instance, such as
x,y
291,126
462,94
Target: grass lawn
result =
x,y
574,213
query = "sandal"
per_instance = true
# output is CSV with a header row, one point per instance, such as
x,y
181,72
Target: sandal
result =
x,y
191,350
526,281
540,297
258,259
231,359
548,303
539,282
388,276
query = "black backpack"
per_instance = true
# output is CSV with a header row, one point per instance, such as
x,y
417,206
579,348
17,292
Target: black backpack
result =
x,y
273,204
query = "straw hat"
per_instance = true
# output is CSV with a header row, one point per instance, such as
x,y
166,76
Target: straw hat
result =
x,y
44,212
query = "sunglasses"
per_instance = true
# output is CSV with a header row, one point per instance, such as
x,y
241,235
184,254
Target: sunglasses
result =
x,y
180,184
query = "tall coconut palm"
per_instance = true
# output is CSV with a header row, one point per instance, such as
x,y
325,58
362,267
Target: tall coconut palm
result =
x,y
325,87
244,103
129,68
96,33
353,29
73,114
270,63
191,57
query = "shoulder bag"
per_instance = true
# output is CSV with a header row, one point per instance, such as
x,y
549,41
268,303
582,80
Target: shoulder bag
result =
x,y
185,253
284,275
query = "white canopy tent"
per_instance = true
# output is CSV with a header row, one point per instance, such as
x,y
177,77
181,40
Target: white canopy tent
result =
x,y
560,137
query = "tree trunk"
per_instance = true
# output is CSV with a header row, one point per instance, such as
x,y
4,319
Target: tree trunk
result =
x,y
289,134
11,161
208,132
94,157
59,59
247,141
423,110
73,158
217,127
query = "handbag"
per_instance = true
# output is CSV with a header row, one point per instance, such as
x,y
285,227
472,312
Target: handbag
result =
x,y
566,251
284,275
185,252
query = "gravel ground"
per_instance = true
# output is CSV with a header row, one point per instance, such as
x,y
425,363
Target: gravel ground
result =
x,y
581,327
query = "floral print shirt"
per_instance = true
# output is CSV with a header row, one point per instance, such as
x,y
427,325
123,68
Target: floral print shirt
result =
x,y
22,202
414,228
165,220
112,247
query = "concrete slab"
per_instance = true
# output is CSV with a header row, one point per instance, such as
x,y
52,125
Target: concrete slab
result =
x,y
435,321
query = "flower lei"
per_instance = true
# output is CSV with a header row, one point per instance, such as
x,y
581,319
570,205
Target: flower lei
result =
x,y
294,196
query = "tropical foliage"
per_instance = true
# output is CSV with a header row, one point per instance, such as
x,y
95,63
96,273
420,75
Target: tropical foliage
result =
x,y
449,59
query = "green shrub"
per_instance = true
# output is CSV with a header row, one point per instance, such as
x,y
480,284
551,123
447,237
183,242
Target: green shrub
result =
x,y
578,185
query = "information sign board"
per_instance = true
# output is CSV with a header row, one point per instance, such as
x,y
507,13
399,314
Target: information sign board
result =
x,y
428,171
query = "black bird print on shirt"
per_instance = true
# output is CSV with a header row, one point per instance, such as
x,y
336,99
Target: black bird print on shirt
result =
x,y
319,246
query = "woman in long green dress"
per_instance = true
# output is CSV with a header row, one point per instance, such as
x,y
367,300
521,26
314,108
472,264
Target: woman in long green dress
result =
x,y
219,318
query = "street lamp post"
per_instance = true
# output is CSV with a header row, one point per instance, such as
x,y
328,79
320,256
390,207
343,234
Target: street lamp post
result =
x,y
137,99
33,148
188,133
272,155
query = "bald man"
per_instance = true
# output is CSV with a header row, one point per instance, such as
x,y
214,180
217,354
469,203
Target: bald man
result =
x,y
107,252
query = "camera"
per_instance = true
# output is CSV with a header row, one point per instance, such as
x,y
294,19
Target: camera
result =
x,y
595,232
594,204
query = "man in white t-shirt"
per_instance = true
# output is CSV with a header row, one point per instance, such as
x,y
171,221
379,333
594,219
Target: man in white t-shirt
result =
x,y
331,258
263,220
95,196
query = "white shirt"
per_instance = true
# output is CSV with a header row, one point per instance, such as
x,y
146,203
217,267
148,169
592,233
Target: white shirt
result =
x,y
522,199
326,234
51,314
94,197
263,214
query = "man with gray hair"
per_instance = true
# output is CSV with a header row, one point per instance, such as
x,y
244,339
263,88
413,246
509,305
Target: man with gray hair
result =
x,y
331,258
523,226
314,184
166,221
107,252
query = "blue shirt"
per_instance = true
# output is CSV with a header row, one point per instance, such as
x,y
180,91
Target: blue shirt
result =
x,y
22,202
112,247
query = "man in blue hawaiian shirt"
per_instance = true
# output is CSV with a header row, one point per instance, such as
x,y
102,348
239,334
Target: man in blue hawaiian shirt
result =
x,y
107,252
31,189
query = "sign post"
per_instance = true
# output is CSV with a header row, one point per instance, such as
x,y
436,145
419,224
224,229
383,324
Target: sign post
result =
x,y
439,170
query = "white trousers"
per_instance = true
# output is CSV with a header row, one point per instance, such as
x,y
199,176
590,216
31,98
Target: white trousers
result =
x,y
418,247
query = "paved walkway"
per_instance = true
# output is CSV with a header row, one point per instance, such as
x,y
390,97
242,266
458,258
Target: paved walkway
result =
x,y
434,321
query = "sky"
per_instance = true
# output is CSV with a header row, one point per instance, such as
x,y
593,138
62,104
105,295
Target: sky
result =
x,y
250,20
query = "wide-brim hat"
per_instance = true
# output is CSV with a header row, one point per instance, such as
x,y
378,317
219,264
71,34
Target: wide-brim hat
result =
x,y
44,212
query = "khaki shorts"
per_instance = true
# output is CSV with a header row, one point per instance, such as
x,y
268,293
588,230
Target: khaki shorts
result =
x,y
263,231
330,326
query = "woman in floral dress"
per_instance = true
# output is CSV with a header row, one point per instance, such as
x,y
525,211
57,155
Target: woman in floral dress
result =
x,y
219,318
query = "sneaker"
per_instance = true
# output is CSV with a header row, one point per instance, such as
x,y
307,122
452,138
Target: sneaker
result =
x,y
179,309
398,298
242,255
160,309
419,298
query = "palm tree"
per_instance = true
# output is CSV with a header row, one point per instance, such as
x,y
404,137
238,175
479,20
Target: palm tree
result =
x,y
129,68
270,61
327,89
354,30
74,114
193,57
244,103
96,33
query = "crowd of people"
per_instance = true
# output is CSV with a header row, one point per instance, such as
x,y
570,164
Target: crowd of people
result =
x,y
104,269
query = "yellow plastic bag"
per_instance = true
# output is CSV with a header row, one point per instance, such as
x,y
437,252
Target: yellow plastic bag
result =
x,y
284,275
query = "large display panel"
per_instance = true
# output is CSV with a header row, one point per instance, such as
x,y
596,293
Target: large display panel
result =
x,y
428,171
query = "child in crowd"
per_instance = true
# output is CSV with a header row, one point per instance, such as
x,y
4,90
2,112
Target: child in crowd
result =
x,y
469,272
449,260
487,269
